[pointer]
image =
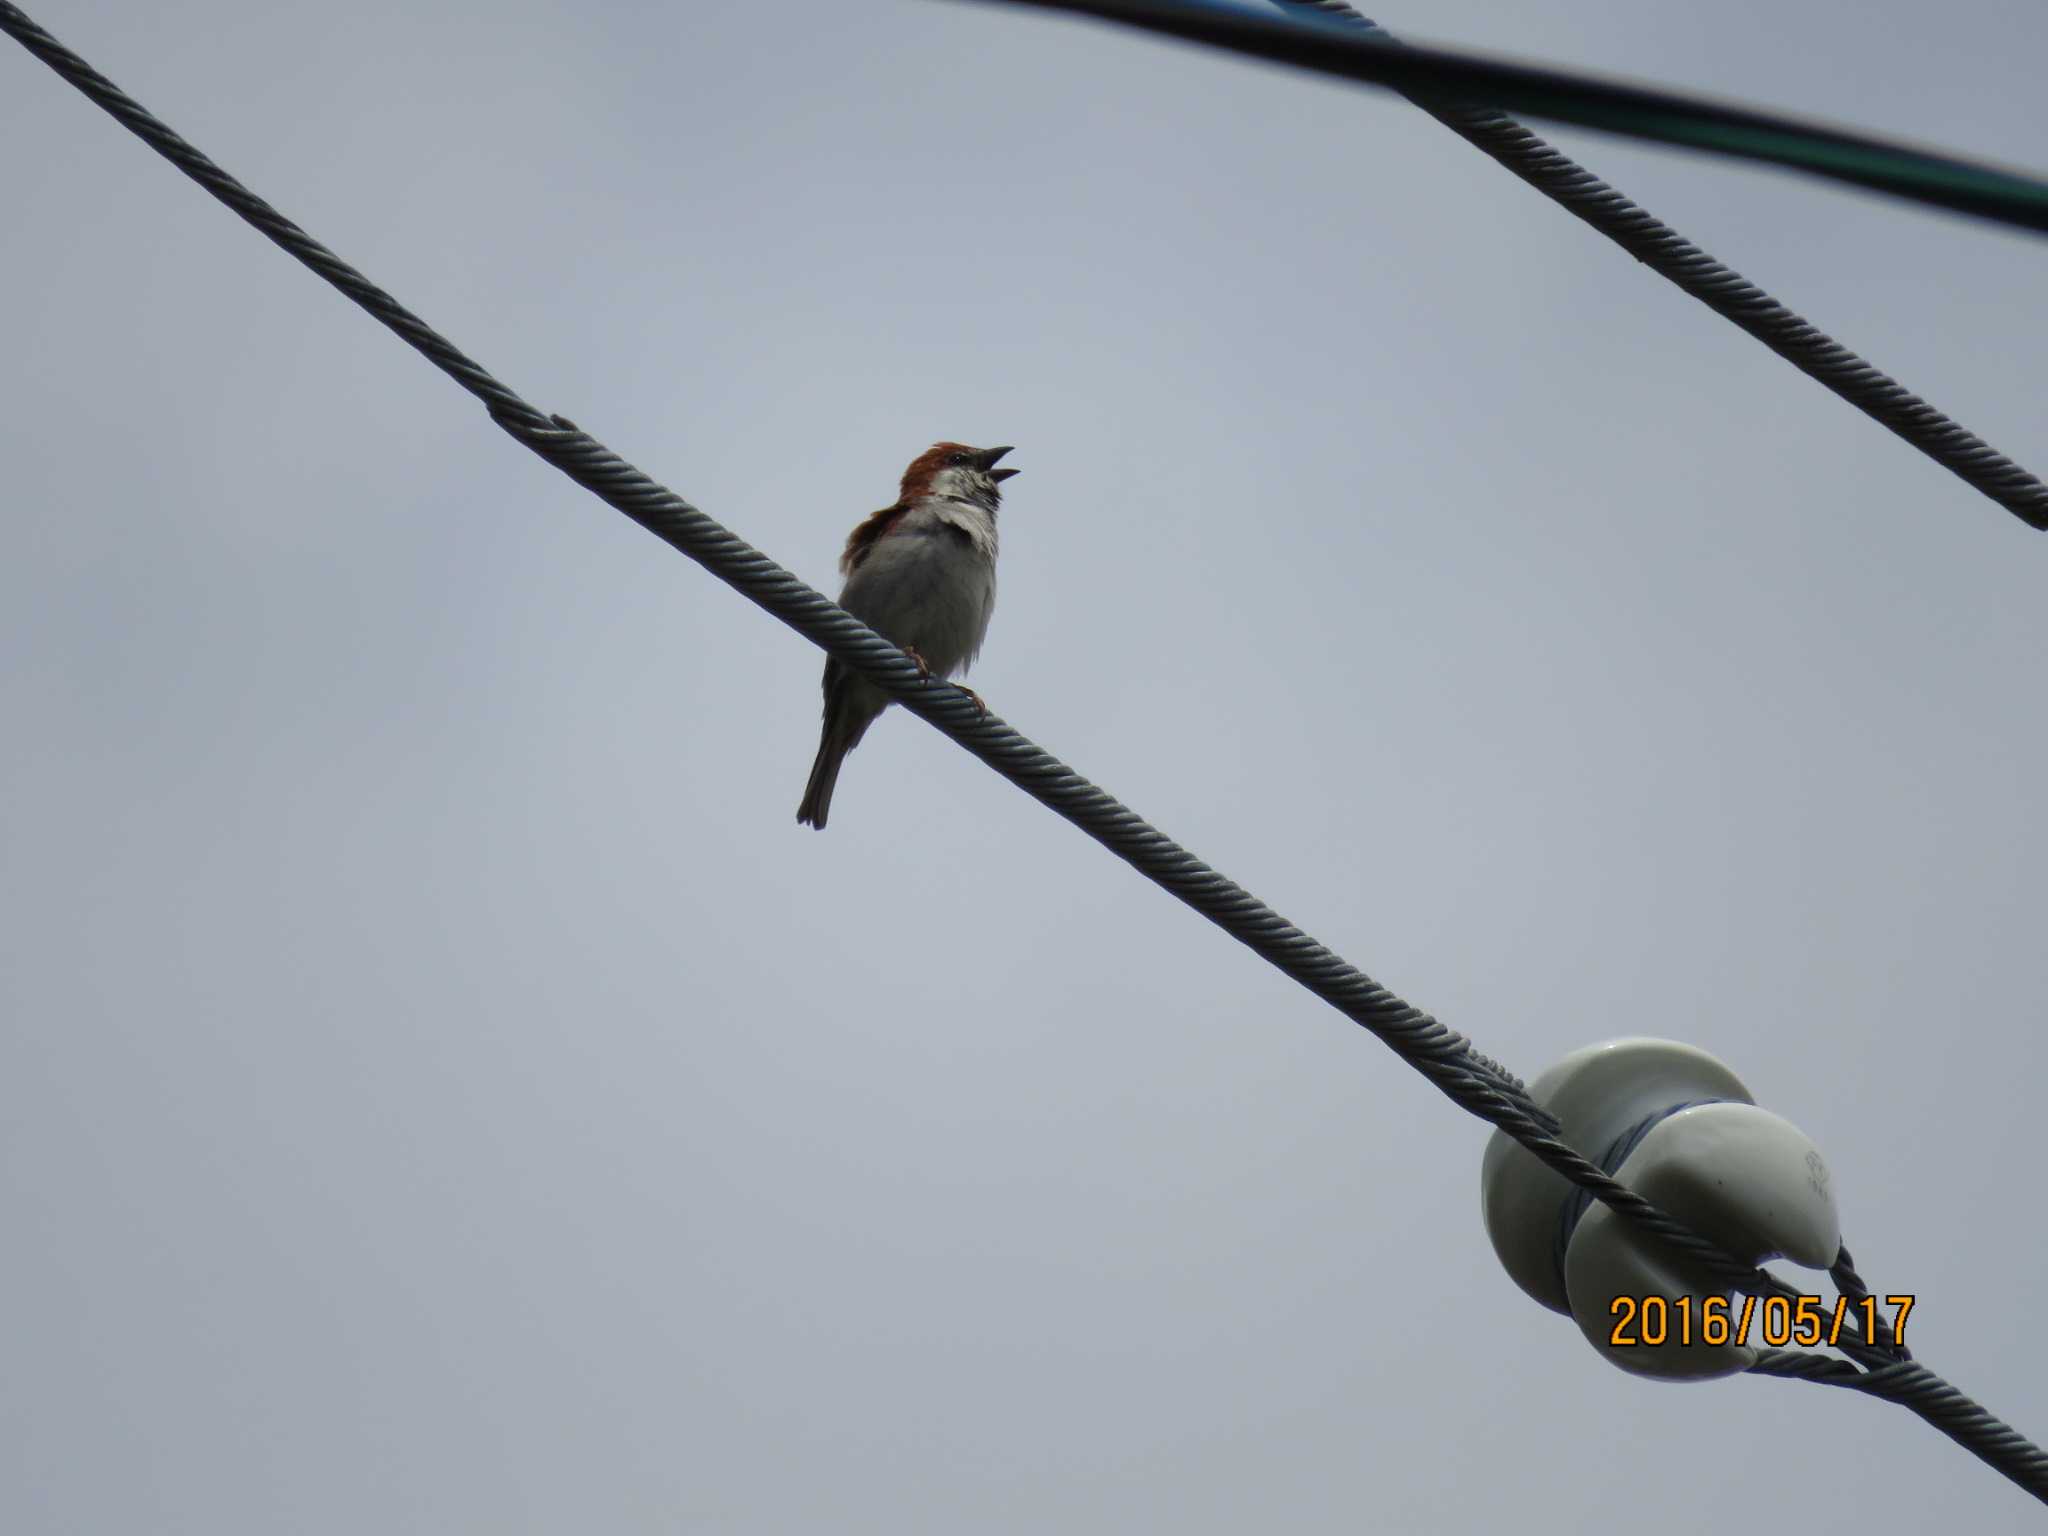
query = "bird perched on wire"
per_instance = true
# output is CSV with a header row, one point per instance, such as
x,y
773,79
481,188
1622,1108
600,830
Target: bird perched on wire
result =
x,y
923,574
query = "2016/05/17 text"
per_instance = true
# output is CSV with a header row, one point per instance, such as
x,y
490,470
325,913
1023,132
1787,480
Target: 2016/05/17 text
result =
x,y
1714,1320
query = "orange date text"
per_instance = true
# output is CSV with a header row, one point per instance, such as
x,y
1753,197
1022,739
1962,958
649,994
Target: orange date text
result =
x,y
1775,1321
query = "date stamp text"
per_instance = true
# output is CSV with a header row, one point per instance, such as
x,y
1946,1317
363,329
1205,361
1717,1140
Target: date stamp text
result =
x,y
1777,1321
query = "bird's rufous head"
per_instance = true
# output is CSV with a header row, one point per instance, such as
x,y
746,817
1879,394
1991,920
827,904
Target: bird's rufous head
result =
x,y
954,469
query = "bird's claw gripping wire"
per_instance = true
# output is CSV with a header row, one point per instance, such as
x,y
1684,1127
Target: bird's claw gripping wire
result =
x,y
925,675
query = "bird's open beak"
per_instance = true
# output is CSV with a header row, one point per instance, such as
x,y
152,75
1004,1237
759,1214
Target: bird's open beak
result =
x,y
987,460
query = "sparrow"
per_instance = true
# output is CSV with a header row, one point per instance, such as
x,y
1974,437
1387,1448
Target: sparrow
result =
x,y
921,573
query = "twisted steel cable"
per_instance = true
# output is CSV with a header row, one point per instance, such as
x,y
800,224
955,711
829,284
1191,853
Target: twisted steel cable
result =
x,y
1441,1054
1727,292
1918,1390
1469,1079
159,136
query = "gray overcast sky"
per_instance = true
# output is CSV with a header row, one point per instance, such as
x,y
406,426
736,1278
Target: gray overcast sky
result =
x,y
442,1088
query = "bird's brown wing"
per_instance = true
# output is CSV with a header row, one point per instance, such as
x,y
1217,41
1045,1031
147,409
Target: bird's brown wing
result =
x,y
863,537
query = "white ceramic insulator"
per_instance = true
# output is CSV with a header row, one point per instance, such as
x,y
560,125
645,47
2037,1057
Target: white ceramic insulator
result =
x,y
1736,1174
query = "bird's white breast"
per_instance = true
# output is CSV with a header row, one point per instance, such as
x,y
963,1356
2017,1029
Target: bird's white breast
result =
x,y
930,582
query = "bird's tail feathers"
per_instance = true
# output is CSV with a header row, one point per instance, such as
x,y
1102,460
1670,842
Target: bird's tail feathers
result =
x,y
817,799
850,708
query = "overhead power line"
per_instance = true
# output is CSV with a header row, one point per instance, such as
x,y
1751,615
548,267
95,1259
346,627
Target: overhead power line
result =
x,y
1725,291
1637,112
1473,1081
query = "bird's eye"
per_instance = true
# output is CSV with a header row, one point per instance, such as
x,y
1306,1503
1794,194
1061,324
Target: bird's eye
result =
x,y
956,458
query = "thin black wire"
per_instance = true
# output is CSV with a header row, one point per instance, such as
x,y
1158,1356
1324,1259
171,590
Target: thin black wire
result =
x,y
1727,292
1662,116
1469,1079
